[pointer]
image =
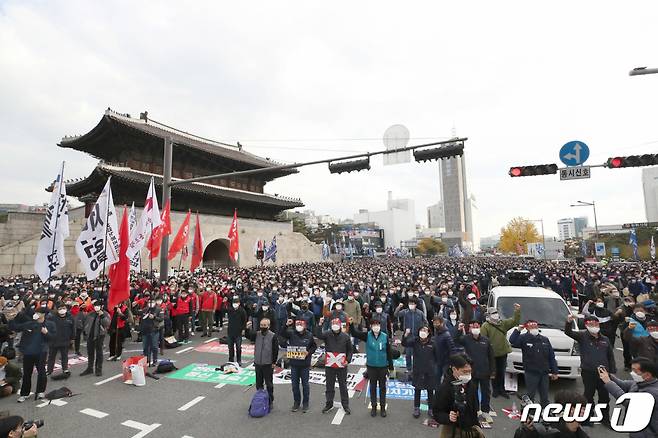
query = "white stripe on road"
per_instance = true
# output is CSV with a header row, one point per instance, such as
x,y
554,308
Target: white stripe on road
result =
x,y
209,340
184,350
187,436
338,418
109,379
220,386
620,349
94,413
189,404
144,429
56,402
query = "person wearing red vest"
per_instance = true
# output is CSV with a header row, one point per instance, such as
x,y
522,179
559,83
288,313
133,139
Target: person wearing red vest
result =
x,y
182,308
208,306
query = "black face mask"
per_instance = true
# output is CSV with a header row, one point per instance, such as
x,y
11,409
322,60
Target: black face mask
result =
x,y
264,330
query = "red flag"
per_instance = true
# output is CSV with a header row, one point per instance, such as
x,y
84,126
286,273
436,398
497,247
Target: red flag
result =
x,y
164,229
234,248
180,240
120,272
197,246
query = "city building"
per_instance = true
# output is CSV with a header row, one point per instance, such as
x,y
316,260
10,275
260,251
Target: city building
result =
x,y
398,220
571,228
590,232
459,208
360,240
490,242
650,187
435,216
131,152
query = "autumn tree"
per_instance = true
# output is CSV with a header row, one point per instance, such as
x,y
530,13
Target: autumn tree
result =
x,y
429,246
515,236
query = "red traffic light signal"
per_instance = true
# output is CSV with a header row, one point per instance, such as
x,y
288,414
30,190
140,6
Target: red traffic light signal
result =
x,y
615,162
632,161
540,169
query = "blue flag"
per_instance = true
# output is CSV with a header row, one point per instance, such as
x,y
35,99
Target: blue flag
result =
x,y
270,251
632,240
583,248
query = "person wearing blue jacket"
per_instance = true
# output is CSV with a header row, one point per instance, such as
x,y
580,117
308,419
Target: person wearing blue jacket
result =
x,y
36,334
444,346
300,346
412,320
539,364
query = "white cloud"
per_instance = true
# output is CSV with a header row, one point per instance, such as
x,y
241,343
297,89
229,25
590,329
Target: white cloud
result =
x,y
518,79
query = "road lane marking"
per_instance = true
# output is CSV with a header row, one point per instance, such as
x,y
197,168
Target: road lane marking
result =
x,y
189,404
144,429
184,350
56,402
109,379
221,385
209,340
340,414
94,413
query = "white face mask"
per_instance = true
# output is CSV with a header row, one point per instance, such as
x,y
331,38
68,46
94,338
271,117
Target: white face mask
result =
x,y
594,330
335,327
97,308
533,332
453,317
654,335
495,317
475,331
236,305
423,334
636,377
15,297
299,328
444,299
35,316
260,294
376,329
599,305
412,307
378,309
465,378
265,308
473,301
62,312
640,315
339,307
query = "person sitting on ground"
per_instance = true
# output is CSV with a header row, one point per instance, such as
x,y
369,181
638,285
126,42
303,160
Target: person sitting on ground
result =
x,y
10,377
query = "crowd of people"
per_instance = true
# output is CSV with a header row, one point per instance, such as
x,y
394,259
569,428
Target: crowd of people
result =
x,y
435,309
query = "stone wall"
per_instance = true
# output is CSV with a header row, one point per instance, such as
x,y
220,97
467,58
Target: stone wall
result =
x,y
18,256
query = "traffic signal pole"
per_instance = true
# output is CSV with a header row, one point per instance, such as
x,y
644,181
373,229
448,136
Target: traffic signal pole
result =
x,y
446,149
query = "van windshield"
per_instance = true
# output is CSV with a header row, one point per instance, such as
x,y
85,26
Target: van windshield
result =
x,y
548,312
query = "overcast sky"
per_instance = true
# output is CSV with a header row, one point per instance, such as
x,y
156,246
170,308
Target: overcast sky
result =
x,y
516,79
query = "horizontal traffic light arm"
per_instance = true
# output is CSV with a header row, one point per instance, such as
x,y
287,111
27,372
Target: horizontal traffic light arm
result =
x,y
632,161
176,182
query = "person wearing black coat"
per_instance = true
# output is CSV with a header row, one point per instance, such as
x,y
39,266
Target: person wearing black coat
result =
x,y
338,348
237,322
60,342
456,402
424,367
479,349
444,346
300,346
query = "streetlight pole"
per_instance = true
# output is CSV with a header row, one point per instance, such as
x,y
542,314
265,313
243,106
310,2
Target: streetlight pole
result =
x,y
166,195
593,205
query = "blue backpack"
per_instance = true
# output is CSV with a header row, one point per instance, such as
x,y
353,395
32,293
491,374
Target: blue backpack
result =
x,y
260,404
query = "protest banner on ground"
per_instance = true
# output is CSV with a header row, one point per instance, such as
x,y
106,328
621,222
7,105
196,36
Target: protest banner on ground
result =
x,y
217,348
355,381
211,374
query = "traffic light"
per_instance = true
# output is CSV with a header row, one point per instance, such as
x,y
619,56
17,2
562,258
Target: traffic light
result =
x,y
349,166
447,151
541,169
632,161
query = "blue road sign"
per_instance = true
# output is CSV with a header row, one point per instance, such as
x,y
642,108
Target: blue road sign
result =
x,y
574,153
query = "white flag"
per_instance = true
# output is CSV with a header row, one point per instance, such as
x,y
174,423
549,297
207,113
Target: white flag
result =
x,y
149,220
652,249
135,262
98,243
50,254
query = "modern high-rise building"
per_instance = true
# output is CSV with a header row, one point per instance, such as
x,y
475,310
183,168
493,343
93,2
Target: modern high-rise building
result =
x,y
398,220
570,228
459,209
650,186
435,216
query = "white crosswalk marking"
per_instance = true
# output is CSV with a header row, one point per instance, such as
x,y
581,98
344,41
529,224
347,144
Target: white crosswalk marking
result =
x,y
191,403
109,379
94,413
209,340
144,429
184,350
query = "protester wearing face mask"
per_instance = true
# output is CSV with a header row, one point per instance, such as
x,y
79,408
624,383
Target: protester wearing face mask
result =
x,y
97,323
412,320
60,341
595,351
471,308
624,314
36,334
479,350
538,358
300,346
266,353
644,346
638,321
237,322
608,321
338,347
208,303
424,374
378,362
150,320
304,313
353,310
10,377
383,318
495,329
643,374
456,402
336,312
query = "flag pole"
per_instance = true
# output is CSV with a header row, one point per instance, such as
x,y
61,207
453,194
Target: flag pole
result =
x,y
59,198
107,216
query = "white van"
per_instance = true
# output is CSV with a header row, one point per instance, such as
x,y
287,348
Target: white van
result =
x,y
550,311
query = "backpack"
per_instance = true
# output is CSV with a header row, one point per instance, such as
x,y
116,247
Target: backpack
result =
x,y
165,366
260,404
55,394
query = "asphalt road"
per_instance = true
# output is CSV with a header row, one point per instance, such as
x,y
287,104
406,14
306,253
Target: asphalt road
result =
x,y
180,408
